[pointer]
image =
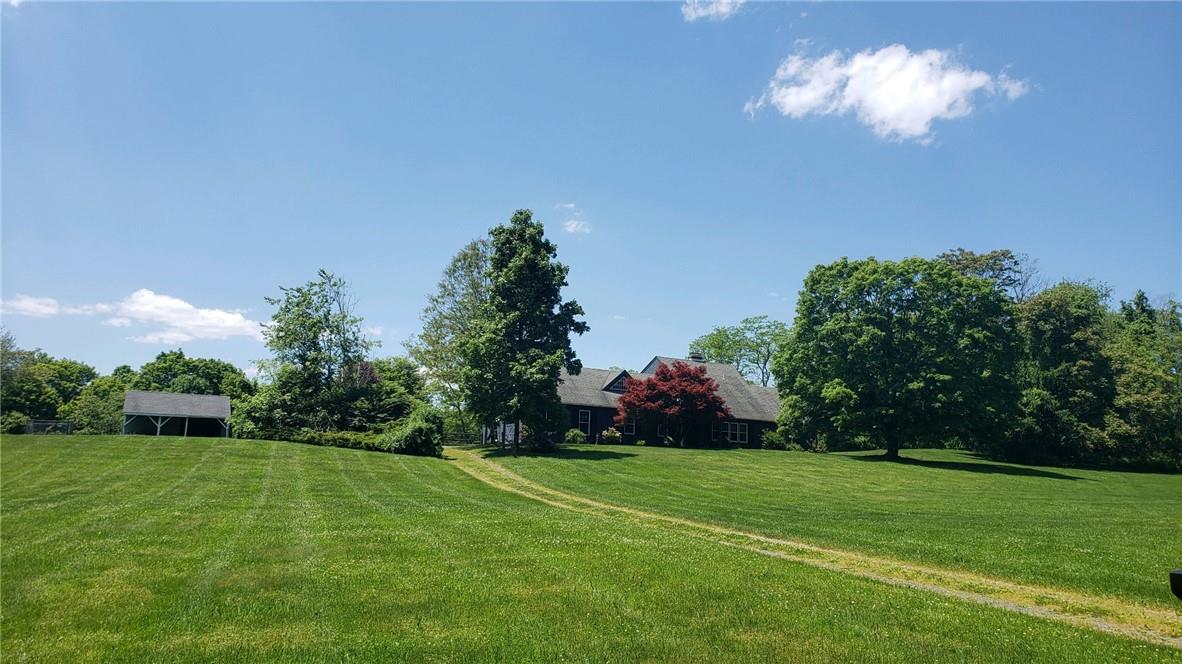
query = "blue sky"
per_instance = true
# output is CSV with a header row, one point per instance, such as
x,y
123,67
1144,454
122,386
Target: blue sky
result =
x,y
167,166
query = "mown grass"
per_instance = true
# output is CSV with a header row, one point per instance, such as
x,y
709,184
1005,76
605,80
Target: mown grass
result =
x,y
1102,532
221,550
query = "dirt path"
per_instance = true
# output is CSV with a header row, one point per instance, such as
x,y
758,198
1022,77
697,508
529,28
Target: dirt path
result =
x,y
1105,614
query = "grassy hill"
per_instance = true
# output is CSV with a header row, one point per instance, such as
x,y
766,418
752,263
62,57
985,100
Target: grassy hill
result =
x,y
1096,531
197,550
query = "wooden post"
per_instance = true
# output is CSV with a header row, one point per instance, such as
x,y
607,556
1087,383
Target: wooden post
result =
x,y
186,427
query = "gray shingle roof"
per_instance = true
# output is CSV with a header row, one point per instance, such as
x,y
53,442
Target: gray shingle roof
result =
x,y
138,402
746,401
586,389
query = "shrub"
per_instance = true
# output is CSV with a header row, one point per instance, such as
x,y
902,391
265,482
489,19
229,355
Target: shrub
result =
x,y
611,436
420,433
574,437
773,439
641,443
13,422
354,440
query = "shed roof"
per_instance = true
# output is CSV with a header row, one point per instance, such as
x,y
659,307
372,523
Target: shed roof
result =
x,y
746,401
139,402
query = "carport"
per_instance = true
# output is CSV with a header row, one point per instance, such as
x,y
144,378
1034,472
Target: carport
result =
x,y
171,414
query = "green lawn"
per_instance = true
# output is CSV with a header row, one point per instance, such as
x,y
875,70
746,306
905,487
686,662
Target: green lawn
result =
x,y
201,550
1101,532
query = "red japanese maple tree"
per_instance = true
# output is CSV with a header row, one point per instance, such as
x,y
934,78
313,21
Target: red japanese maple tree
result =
x,y
681,397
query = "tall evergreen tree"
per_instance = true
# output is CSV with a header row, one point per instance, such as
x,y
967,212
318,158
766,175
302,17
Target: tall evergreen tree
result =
x,y
522,337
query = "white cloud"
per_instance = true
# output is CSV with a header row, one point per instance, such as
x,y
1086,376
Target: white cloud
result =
x,y
896,92
710,10
576,226
565,206
25,305
374,330
183,321
179,320
773,294
14,3
619,317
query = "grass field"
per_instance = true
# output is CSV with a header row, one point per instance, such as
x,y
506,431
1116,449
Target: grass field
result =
x,y
199,550
1104,532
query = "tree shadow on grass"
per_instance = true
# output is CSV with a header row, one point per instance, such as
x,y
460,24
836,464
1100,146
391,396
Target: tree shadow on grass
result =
x,y
580,455
971,467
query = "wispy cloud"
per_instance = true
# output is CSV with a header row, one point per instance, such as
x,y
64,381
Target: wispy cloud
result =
x,y
619,317
25,305
895,91
374,330
576,221
576,226
710,10
177,320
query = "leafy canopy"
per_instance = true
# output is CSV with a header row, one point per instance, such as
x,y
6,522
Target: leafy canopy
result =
x,y
893,354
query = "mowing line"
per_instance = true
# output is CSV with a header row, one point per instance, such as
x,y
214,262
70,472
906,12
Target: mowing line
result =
x,y
1104,614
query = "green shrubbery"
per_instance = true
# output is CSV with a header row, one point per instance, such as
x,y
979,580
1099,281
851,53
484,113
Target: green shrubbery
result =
x,y
574,437
611,436
420,433
356,440
13,422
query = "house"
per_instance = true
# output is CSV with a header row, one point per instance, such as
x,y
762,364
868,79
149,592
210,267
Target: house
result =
x,y
590,400
172,414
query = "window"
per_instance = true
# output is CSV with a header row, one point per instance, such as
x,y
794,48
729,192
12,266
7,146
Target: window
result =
x,y
630,426
585,421
661,429
736,432
714,431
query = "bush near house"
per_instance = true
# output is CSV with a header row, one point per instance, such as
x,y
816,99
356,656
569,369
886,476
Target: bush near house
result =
x,y
574,437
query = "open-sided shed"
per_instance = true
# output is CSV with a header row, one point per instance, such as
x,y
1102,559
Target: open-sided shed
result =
x,y
167,413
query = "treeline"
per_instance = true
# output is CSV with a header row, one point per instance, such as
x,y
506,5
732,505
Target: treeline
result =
x,y
495,337
968,350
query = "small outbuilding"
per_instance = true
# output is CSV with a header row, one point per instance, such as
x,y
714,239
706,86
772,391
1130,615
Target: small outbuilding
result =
x,y
171,414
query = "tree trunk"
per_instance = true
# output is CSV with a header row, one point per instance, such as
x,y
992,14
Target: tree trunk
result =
x,y
892,451
516,436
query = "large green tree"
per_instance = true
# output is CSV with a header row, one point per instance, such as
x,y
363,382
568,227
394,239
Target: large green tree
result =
x,y
749,346
36,384
1069,384
173,371
1146,355
895,354
522,338
318,346
450,320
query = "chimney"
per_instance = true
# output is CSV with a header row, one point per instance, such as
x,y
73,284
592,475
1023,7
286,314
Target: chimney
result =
x,y
696,357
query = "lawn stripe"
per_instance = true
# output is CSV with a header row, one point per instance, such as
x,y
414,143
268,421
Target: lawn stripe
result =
x,y
1105,614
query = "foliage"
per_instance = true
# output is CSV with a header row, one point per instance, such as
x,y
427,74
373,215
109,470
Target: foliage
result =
x,y
775,439
420,434
680,398
99,408
521,340
450,321
749,346
12,421
909,353
356,440
1015,274
319,370
33,383
1145,426
1068,382
611,436
173,371
574,437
